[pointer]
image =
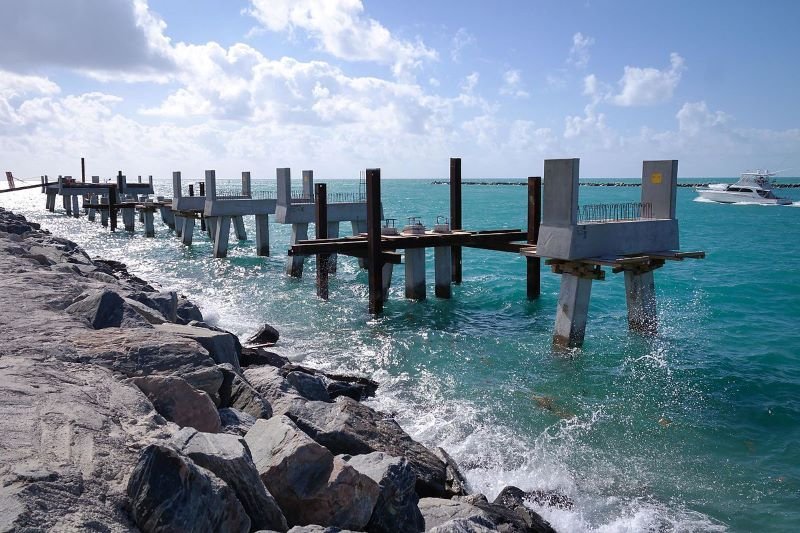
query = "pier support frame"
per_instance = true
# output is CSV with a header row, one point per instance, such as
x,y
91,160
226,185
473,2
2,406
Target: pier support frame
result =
x,y
262,235
187,232
238,223
222,232
415,273
640,295
443,271
455,215
76,210
294,263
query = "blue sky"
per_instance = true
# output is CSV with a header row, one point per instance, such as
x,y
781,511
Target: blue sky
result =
x,y
340,85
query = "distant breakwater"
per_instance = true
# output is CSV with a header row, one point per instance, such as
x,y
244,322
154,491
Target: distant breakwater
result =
x,y
602,184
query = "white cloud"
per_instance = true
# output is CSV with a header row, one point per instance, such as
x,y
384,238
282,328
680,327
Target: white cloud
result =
x,y
512,84
649,86
106,37
461,40
341,29
16,85
579,53
694,118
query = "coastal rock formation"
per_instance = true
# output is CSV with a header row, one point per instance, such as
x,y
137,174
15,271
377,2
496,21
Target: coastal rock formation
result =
x,y
311,485
396,510
265,335
237,393
346,426
177,401
229,459
169,492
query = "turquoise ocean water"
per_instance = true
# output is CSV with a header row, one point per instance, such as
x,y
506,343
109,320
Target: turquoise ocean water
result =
x,y
697,429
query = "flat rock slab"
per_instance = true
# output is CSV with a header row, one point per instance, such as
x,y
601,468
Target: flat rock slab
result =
x,y
177,401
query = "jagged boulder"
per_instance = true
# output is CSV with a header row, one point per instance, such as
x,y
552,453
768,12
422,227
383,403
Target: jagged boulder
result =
x,y
176,400
259,356
265,335
237,393
438,512
270,383
309,386
235,422
311,486
229,459
396,509
107,309
455,482
187,311
221,345
514,497
169,492
348,427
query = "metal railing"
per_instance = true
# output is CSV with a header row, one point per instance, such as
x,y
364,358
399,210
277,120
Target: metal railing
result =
x,y
615,212
236,194
300,197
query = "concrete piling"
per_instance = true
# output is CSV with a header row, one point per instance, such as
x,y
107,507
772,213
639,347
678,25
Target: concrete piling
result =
x,y
187,232
262,235
222,230
238,223
149,227
294,263
640,295
572,311
443,271
415,273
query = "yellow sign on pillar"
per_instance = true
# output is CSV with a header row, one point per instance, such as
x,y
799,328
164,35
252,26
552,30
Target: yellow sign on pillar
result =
x,y
655,177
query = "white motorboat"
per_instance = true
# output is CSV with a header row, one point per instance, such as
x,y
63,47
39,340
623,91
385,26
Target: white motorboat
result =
x,y
754,187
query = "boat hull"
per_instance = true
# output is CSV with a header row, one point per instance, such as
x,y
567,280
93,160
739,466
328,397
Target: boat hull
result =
x,y
730,197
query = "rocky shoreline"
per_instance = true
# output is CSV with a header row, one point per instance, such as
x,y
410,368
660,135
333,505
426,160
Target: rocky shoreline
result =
x,y
122,410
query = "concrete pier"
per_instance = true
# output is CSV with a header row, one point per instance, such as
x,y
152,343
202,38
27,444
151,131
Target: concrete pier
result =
x,y
187,232
104,212
386,279
238,223
76,210
640,294
149,227
572,311
222,231
443,271
294,263
262,235
415,273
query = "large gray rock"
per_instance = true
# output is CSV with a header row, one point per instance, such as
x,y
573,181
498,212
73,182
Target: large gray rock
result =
x,y
265,335
235,422
514,497
260,356
187,311
318,529
221,345
475,524
311,486
107,309
176,400
169,492
165,302
455,482
438,512
229,459
348,427
270,383
69,436
309,386
237,393
396,509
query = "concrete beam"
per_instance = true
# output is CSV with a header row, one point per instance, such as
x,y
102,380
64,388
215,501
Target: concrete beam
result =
x,y
572,311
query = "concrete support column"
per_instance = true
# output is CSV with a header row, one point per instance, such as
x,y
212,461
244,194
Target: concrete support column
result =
x,y
211,227
238,223
91,212
129,218
262,235
572,311
51,201
149,227
359,226
640,293
141,216
294,263
76,209
333,232
222,230
66,203
178,224
443,268
104,212
415,273
387,269
187,231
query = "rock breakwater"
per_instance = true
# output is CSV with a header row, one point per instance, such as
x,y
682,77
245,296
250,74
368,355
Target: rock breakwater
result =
x,y
121,409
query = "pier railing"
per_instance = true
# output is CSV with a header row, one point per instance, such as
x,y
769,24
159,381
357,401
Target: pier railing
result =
x,y
300,197
615,212
237,194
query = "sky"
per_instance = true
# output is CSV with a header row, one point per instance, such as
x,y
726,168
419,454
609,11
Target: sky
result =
x,y
154,86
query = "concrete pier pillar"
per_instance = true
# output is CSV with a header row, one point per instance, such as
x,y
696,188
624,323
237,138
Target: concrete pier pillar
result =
x,y
359,226
640,293
129,218
187,232
149,227
211,227
91,212
262,235
178,224
51,201
104,212
222,231
386,279
141,216
572,311
443,269
415,273
66,204
238,223
333,232
294,263
76,210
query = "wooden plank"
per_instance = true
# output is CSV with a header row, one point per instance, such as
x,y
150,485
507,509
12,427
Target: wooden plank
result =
x,y
456,222
374,259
